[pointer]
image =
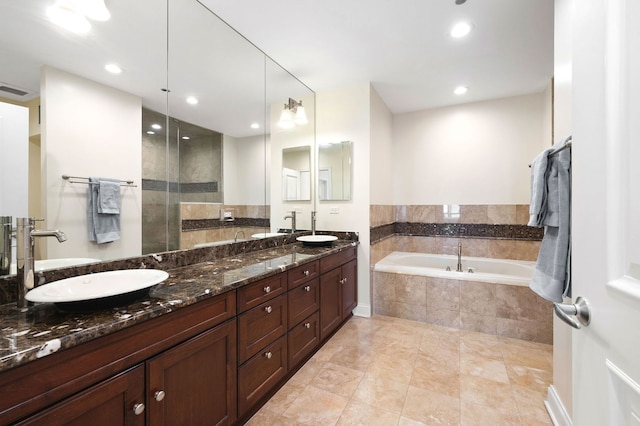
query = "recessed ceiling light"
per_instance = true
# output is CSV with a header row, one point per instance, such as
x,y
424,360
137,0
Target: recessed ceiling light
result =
x,y
192,100
460,29
151,132
156,126
186,138
461,90
113,68
255,126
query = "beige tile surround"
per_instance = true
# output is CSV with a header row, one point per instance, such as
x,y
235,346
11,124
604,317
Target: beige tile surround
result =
x,y
212,211
460,304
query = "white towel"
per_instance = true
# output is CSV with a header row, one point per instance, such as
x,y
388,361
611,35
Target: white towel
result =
x,y
552,276
103,228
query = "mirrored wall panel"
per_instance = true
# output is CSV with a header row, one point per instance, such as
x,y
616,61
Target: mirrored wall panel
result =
x,y
334,171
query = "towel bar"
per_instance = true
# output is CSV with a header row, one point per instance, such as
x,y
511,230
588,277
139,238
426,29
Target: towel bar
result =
x,y
68,178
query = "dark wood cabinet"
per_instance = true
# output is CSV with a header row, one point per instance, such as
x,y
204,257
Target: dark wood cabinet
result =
x,y
116,401
214,362
195,382
338,290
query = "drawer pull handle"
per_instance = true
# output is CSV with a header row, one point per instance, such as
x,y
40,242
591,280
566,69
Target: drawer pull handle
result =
x,y
307,288
267,289
268,355
138,408
306,273
159,395
307,325
268,309
342,281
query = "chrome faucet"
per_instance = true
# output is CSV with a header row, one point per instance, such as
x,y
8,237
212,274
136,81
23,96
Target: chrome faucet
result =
x,y
292,216
5,244
235,239
313,222
459,268
25,258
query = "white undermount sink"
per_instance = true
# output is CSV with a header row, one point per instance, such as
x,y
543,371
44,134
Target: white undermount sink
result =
x,y
110,286
65,262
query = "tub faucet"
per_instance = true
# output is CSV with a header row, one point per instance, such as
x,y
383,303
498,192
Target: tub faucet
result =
x,y
292,216
235,238
313,222
459,267
25,258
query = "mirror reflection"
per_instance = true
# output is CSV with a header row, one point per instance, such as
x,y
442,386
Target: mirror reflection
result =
x,y
180,67
334,171
296,173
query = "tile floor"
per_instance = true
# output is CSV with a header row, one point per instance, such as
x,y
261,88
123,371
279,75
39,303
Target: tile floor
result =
x,y
390,371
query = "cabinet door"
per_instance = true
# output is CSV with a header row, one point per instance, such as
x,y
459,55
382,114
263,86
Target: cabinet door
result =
x,y
110,403
195,382
330,302
303,301
349,288
303,339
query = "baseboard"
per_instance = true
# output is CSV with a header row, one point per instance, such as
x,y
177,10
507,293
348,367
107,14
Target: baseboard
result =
x,y
362,311
555,408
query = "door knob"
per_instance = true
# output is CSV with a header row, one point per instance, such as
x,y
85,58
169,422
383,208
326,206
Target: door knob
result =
x,y
579,310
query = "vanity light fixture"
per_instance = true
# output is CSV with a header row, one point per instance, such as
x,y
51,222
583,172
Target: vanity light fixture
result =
x,y
460,29
72,14
292,114
460,90
192,100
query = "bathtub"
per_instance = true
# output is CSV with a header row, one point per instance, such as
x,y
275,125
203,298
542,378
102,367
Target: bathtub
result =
x,y
499,271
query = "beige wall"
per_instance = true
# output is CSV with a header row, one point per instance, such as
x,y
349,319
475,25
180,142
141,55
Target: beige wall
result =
x,y
474,153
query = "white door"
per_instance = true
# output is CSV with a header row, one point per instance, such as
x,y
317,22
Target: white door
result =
x,y
606,211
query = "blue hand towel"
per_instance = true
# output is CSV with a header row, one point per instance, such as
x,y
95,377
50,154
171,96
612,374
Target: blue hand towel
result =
x,y
103,228
108,196
552,276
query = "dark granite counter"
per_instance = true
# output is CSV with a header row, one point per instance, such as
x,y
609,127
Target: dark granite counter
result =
x,y
44,329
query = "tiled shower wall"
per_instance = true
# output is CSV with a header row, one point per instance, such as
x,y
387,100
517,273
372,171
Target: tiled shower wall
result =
x,y
494,231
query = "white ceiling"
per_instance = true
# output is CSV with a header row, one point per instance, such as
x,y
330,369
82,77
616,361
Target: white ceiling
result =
x,y
403,47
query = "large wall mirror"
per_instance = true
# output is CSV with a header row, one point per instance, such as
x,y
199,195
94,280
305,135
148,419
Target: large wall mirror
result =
x,y
187,120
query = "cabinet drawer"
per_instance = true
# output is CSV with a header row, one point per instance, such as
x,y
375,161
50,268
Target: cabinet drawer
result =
x,y
303,301
258,376
260,326
299,275
330,262
303,339
259,292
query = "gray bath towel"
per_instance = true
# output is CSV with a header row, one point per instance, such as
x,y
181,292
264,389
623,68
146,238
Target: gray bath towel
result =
x,y
103,227
552,279
108,196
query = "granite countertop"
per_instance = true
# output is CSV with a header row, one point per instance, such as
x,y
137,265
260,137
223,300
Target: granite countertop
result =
x,y
44,329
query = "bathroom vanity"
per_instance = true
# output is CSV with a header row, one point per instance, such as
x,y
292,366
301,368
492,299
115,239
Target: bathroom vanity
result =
x,y
209,346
